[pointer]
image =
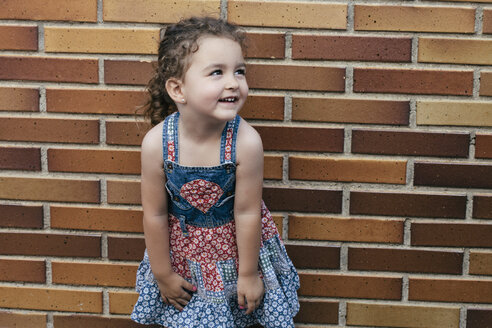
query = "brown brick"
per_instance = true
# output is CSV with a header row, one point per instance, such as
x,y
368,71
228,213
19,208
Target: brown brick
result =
x,y
19,99
413,81
56,10
273,167
344,285
125,132
126,248
303,200
317,312
50,244
354,110
405,316
128,72
121,302
49,69
404,260
288,14
481,263
49,130
295,77
17,320
97,274
301,139
400,204
483,146
94,161
51,299
314,257
414,18
58,190
18,37
23,270
21,216
482,207
345,229
455,51
263,108
453,175
457,113
450,290
478,318
265,45
97,219
487,20
124,192
328,47
157,11
84,321
14,158
451,234
347,170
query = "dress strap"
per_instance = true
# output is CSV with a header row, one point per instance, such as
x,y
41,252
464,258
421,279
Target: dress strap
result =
x,y
169,137
228,141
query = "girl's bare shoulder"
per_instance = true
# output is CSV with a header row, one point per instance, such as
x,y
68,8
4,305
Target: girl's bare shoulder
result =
x,y
152,141
249,144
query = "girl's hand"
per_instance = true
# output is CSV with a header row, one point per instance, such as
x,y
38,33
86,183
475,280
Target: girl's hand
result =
x,y
174,290
250,292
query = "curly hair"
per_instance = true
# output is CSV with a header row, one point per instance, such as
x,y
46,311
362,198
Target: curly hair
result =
x,y
179,41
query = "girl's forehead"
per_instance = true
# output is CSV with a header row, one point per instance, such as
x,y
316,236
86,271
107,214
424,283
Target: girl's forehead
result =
x,y
217,46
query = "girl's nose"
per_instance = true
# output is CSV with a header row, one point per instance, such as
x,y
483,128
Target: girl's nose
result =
x,y
232,83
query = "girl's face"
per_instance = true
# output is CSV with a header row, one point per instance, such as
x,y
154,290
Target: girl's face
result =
x,y
214,85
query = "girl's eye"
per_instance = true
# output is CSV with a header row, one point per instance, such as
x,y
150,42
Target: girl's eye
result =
x,y
241,71
216,72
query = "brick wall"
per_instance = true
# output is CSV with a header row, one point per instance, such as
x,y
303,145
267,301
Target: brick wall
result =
x,y
376,121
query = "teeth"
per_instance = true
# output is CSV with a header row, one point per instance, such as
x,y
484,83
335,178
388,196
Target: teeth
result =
x,y
228,99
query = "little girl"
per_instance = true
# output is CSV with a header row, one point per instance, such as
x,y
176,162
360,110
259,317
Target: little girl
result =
x,y
214,257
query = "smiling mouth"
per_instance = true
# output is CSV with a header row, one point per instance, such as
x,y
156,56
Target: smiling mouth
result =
x,y
229,99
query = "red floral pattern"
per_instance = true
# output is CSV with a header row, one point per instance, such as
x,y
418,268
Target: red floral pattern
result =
x,y
228,145
201,194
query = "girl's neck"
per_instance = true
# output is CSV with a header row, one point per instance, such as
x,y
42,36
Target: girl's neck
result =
x,y
197,129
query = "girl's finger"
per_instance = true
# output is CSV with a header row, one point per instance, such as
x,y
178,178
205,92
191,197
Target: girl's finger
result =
x,y
241,300
164,299
178,306
188,286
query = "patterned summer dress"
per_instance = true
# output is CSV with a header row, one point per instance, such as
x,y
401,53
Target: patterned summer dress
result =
x,y
203,248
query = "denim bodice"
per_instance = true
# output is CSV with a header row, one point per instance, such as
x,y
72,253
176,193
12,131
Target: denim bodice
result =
x,y
200,196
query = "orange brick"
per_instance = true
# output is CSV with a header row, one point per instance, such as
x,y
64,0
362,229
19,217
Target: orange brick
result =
x,y
486,84
265,45
49,69
450,290
49,130
56,10
481,263
124,192
48,189
88,218
51,299
487,20
455,51
18,37
414,18
483,146
94,101
19,99
288,14
22,270
385,315
101,40
16,158
344,285
94,161
13,320
122,302
354,110
345,229
97,274
273,167
21,216
157,11
347,170
457,113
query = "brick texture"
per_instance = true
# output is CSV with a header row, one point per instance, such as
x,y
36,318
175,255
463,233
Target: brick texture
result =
x,y
122,302
453,175
98,274
486,84
125,248
80,11
481,263
124,192
23,270
314,257
20,216
303,200
483,146
478,318
452,234
487,21
13,158
19,99
482,207
323,312
18,38
456,113
12,319
456,51
451,290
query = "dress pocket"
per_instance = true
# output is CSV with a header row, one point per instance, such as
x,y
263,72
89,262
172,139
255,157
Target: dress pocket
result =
x,y
175,196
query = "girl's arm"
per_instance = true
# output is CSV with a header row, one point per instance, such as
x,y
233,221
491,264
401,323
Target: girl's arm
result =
x,y
155,221
247,215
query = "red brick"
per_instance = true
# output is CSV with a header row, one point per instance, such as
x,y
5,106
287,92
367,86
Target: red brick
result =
x,y
354,111
97,274
273,167
450,290
482,207
13,158
50,244
94,161
21,216
19,99
128,72
453,175
125,133
81,11
384,142
487,21
344,285
49,69
269,108
84,321
97,219
400,204
486,83
317,312
483,146
478,318
23,270
405,260
49,130
314,257
265,45
345,229
328,47
451,234
17,320
18,37
303,200
301,139
413,81
124,192
295,77
126,248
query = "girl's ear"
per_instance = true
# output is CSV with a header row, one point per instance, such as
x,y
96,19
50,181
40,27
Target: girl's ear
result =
x,y
174,88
